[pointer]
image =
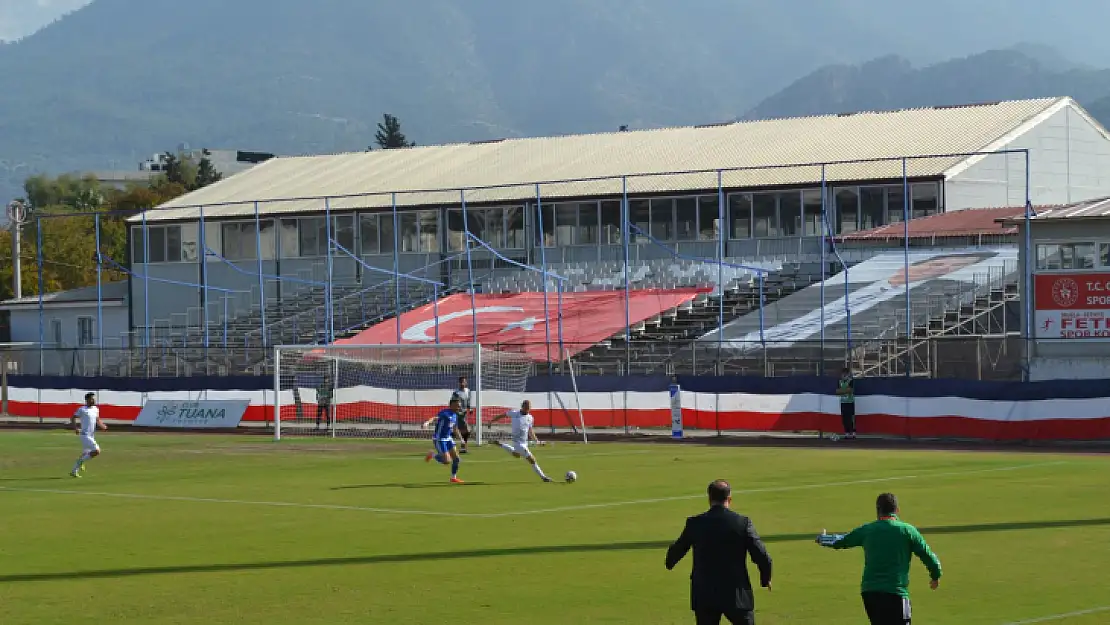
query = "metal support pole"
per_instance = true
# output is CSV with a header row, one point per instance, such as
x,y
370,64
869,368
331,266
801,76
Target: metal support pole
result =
x,y
203,258
42,311
906,257
329,323
824,261
543,267
146,283
559,315
261,280
626,219
396,267
721,267
469,268
435,308
1027,269
99,287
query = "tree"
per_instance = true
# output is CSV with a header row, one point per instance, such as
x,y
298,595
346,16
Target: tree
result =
x,y
206,172
389,135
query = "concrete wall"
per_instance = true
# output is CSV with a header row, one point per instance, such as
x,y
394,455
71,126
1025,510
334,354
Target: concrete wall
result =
x,y
25,324
1069,161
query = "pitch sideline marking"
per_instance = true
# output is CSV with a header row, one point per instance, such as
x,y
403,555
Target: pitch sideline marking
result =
x,y
494,515
1060,617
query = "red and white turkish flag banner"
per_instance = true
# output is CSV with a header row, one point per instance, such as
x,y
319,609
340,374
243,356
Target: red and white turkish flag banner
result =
x,y
521,323
1072,306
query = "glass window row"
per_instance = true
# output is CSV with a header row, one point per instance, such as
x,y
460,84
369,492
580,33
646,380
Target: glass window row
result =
x,y
669,219
1072,256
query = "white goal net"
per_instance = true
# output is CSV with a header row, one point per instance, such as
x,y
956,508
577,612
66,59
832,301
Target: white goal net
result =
x,y
390,390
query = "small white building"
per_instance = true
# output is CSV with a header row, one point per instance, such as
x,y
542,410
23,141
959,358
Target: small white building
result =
x,y
70,317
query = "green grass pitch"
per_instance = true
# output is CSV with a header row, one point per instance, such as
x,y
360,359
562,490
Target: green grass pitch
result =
x,y
208,529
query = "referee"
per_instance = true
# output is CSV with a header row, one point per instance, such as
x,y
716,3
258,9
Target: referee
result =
x,y
462,394
888,544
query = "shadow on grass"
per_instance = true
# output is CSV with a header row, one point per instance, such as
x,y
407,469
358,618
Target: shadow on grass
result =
x,y
411,485
493,553
30,479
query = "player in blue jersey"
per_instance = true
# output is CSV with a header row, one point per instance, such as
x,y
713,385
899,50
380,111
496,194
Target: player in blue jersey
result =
x,y
443,438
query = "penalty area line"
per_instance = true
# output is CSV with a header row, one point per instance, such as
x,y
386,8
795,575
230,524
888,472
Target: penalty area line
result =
x,y
495,515
1060,617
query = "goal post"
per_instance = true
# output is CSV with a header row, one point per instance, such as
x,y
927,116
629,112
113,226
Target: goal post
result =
x,y
389,391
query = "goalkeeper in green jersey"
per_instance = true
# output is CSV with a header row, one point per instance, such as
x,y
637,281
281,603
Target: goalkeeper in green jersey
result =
x,y
888,544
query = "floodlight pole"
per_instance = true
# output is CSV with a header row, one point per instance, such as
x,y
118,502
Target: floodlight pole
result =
x,y
99,298
626,219
396,266
261,280
721,270
146,284
202,256
329,323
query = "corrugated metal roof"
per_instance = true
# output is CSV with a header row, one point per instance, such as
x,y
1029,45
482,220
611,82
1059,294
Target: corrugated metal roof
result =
x,y
109,291
597,161
1089,209
973,222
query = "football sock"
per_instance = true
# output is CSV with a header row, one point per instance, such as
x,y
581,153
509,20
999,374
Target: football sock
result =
x,y
455,467
80,461
505,447
536,468
440,459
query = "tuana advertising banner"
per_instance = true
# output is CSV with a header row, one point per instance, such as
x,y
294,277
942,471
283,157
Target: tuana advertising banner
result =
x,y
1072,306
201,414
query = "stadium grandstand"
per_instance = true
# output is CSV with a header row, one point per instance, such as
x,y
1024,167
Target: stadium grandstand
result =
x,y
776,247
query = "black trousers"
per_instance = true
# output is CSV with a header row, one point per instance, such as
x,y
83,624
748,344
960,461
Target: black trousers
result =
x,y
323,410
886,609
713,617
464,429
848,417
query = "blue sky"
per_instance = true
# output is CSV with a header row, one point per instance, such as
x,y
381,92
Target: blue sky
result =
x,y
19,18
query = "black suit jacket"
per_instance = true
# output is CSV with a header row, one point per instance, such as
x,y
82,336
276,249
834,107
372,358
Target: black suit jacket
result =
x,y
722,540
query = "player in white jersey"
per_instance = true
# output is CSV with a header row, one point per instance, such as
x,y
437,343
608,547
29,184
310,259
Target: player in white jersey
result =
x,y
523,432
86,422
462,394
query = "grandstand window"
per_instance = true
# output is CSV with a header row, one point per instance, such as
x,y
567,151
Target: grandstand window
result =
x,y
639,215
588,224
765,218
427,227
312,237
188,242
790,212
1104,254
238,241
926,199
387,235
847,209
895,205
514,228
410,233
811,205
545,225
566,222
872,213
1083,256
1048,256
662,219
368,235
344,232
495,227
164,243
686,217
709,218
611,222
740,216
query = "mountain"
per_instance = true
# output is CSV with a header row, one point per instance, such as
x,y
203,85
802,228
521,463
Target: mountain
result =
x,y
113,82
19,18
892,82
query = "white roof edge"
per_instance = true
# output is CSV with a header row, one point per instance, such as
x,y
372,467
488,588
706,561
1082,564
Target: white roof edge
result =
x,y
999,144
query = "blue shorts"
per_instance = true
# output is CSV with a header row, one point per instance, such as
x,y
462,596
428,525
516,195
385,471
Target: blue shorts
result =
x,y
442,447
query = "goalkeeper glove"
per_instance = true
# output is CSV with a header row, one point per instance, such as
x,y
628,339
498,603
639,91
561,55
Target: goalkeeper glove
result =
x,y
828,540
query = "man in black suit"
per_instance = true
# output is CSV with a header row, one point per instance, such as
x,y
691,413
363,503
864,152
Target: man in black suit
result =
x,y
722,540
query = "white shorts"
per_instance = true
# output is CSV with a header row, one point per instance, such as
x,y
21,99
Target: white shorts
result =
x,y
88,443
520,447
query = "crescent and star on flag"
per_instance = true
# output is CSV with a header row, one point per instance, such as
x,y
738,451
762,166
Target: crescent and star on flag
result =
x,y
418,332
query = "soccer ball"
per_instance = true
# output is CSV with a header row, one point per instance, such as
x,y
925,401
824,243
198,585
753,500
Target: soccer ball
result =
x,y
571,476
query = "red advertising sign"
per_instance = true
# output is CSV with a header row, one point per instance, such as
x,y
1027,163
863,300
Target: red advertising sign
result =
x,y
523,321
1074,306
